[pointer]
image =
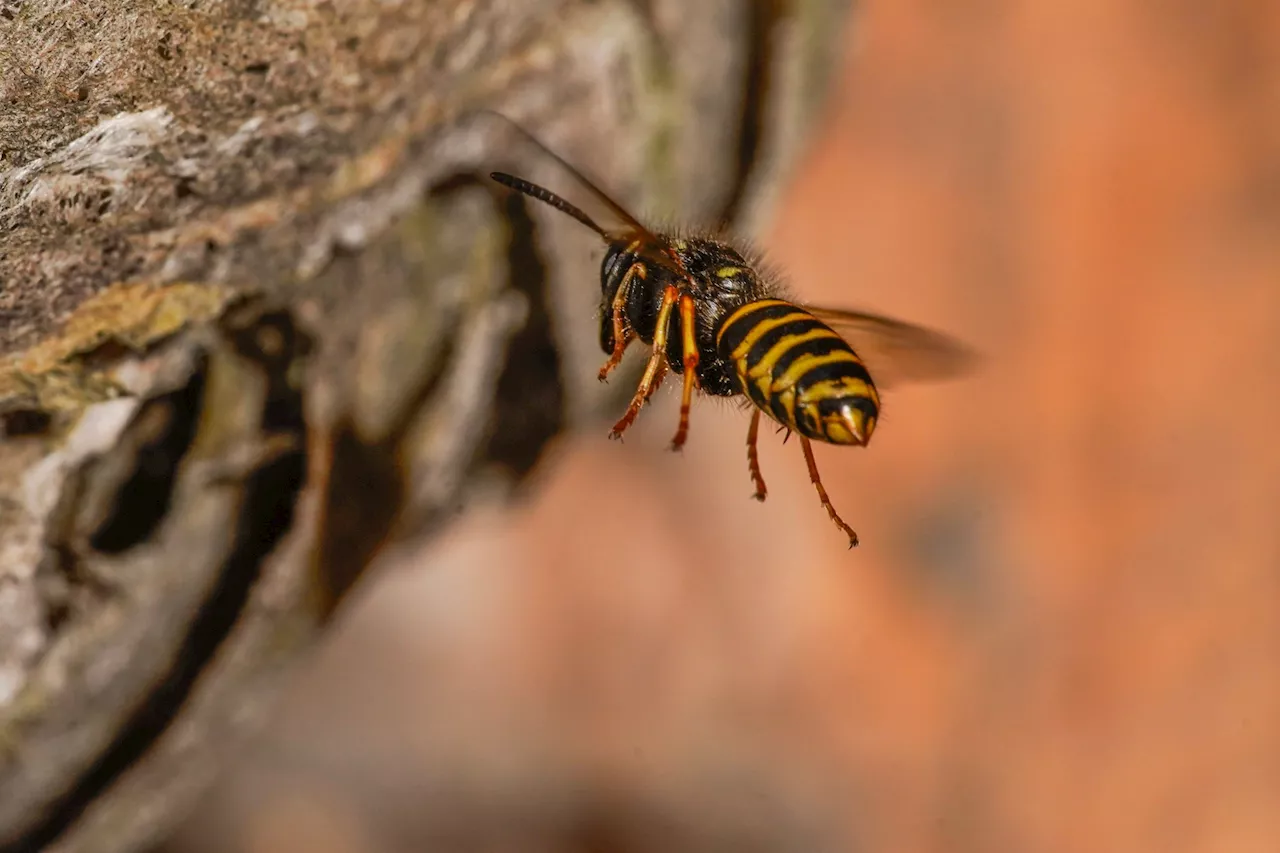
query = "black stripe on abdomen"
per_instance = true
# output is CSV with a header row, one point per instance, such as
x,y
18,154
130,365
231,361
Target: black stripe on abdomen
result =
x,y
836,370
746,318
780,334
817,346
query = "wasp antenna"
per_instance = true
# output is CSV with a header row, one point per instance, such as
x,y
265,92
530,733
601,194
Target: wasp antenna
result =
x,y
546,196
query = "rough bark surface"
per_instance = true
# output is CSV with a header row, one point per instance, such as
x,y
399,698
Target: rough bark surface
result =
x,y
260,315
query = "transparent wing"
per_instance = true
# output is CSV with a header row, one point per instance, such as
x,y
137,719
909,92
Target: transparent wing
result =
x,y
896,351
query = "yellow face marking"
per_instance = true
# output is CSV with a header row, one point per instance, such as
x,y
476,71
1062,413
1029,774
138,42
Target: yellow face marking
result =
x,y
805,363
760,328
765,365
728,272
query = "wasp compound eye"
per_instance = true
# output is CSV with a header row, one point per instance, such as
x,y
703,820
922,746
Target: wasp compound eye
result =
x,y
609,267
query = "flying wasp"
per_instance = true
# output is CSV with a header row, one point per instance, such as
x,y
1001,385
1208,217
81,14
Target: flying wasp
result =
x,y
723,324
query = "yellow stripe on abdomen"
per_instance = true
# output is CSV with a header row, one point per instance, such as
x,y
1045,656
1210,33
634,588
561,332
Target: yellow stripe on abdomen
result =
x,y
799,371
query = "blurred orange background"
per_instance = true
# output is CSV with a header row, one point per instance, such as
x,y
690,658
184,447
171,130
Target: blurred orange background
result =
x,y
1061,631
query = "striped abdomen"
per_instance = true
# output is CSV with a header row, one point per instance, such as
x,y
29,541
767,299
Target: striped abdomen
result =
x,y
799,371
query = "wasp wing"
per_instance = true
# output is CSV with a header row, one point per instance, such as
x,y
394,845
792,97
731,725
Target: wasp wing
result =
x,y
898,352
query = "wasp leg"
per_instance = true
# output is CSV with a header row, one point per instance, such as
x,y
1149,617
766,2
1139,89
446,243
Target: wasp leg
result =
x,y
687,320
657,362
657,380
822,493
622,334
753,457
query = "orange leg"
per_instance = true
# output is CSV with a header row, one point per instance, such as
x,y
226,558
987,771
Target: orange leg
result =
x,y
688,318
753,458
657,380
657,362
822,493
622,334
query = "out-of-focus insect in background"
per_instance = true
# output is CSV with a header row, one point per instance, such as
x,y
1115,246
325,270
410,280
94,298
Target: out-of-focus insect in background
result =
x,y
1060,630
